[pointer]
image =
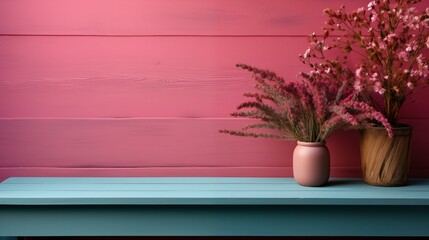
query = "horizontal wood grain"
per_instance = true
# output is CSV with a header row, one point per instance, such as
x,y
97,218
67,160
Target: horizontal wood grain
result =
x,y
135,77
166,147
140,88
248,207
142,77
204,191
133,143
125,143
160,17
5,172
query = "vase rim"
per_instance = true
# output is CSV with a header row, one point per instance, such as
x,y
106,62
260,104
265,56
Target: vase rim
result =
x,y
401,126
311,144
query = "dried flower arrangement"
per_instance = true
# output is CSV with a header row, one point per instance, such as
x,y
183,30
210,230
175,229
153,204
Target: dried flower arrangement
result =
x,y
308,110
391,40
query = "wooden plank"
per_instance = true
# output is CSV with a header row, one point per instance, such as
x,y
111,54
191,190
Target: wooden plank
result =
x,y
210,198
332,211
71,191
145,180
166,147
164,17
117,188
135,77
126,143
142,77
225,171
214,221
118,143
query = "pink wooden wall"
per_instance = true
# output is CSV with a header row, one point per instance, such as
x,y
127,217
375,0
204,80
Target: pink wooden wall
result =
x,y
141,87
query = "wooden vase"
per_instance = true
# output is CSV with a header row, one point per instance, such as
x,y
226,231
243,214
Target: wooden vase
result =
x,y
385,161
311,164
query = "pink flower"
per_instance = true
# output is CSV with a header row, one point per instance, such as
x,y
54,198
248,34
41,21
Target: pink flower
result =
x,y
411,46
425,23
420,59
374,17
423,69
414,23
411,11
403,55
307,53
379,117
396,89
390,37
371,5
399,13
357,86
378,88
328,70
371,45
374,77
358,72
351,119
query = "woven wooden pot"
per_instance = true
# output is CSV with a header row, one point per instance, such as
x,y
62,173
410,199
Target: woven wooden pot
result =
x,y
385,161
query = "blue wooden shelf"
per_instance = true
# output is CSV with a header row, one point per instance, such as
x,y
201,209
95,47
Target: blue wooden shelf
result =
x,y
210,207
217,191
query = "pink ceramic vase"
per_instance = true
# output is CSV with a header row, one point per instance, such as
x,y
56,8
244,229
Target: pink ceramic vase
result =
x,y
311,164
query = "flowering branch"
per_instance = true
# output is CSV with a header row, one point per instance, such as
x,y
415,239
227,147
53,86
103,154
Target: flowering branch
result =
x,y
392,39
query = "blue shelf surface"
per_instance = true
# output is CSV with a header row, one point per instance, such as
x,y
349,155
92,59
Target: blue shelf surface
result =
x,y
217,191
194,206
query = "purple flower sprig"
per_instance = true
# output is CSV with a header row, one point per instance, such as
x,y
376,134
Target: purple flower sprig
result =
x,y
307,110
